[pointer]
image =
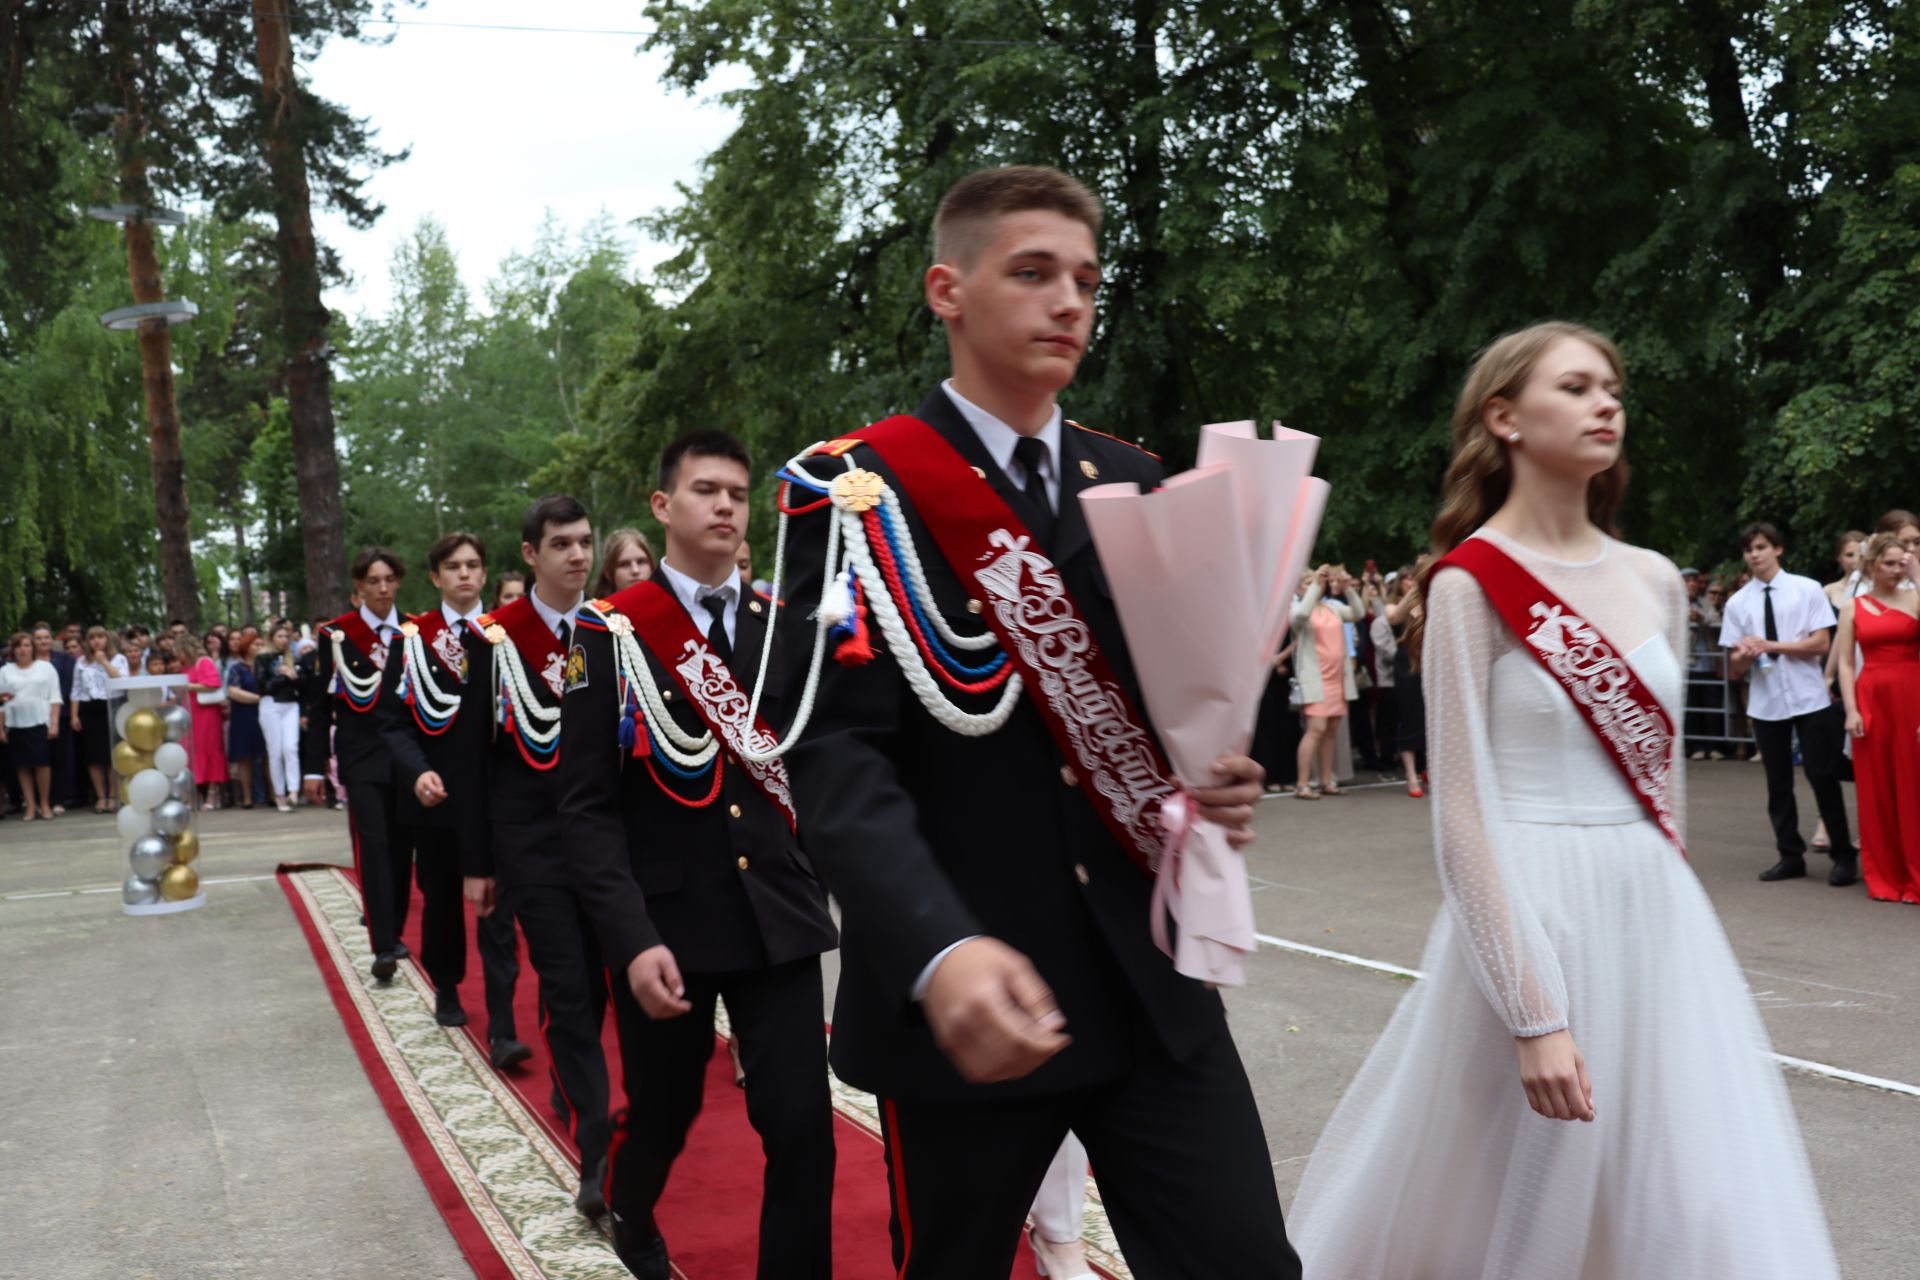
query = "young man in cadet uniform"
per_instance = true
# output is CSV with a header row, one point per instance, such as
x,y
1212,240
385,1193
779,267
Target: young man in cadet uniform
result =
x,y
989,845
520,662
439,754
343,725
687,858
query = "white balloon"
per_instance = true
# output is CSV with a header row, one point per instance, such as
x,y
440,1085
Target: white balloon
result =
x,y
120,719
170,758
133,823
146,789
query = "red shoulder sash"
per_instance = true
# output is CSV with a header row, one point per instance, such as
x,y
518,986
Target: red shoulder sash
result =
x,y
662,624
357,633
1637,732
539,648
1064,674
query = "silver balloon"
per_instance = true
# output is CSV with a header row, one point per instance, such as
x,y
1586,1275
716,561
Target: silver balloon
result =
x,y
171,818
136,892
179,721
151,855
181,789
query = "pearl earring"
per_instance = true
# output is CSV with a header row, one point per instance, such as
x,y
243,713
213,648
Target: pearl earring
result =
x,y
1513,437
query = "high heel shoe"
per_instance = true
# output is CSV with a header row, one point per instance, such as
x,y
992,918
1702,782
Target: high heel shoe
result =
x,y
1035,1243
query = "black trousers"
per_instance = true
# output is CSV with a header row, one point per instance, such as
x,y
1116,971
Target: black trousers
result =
x,y
1276,732
1822,739
779,1015
443,929
573,1004
383,855
1178,1149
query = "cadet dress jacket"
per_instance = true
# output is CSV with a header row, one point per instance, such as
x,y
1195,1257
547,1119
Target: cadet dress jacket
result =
x,y
458,754
928,837
333,727
519,833
726,886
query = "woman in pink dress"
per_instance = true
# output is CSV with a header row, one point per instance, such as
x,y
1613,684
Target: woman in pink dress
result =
x,y
207,748
1883,715
1324,671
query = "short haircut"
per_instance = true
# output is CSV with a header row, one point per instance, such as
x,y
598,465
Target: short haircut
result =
x,y
963,226
1761,529
1896,520
364,562
555,508
706,442
439,551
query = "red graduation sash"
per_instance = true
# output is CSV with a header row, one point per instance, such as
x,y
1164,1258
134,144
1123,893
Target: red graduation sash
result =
x,y
1063,672
663,625
1636,731
446,643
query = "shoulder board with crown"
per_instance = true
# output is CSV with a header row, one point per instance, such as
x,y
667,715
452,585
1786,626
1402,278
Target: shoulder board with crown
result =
x,y
1131,444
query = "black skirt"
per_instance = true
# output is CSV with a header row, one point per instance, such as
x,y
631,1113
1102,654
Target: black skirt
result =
x,y
96,733
27,747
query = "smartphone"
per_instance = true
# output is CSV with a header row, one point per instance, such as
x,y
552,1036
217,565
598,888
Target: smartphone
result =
x,y
1372,567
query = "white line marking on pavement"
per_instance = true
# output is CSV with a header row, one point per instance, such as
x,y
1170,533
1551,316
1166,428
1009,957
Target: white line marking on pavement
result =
x,y
1785,1060
114,888
1828,986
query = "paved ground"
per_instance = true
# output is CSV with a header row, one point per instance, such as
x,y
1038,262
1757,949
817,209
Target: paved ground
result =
x,y
182,1101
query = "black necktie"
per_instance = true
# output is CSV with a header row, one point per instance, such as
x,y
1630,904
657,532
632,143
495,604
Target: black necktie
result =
x,y
716,604
566,635
1030,453
1773,631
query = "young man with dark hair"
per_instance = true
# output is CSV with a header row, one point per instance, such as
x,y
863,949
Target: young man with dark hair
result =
x,y
342,724
989,842
439,754
520,665
687,858
1777,629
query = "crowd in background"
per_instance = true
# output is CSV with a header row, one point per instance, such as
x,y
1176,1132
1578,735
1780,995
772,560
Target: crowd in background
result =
x,y
1345,696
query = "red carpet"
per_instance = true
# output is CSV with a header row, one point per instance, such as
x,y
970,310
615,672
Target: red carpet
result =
x,y
709,1213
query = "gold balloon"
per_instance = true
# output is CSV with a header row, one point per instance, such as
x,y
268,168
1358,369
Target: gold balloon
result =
x,y
129,759
123,791
178,883
146,730
186,847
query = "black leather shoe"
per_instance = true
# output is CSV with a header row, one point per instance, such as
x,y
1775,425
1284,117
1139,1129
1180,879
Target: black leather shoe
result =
x,y
446,1009
643,1253
383,966
400,949
558,1101
1845,871
509,1053
592,1199
1786,869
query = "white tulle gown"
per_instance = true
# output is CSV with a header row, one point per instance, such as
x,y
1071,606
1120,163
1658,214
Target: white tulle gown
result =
x,y
1565,907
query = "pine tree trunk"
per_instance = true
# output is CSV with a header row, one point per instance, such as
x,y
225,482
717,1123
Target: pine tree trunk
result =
x,y
303,318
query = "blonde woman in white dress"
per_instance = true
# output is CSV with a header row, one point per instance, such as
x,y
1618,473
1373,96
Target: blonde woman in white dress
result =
x,y
1581,1089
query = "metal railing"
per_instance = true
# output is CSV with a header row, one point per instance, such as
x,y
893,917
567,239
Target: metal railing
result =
x,y
1716,718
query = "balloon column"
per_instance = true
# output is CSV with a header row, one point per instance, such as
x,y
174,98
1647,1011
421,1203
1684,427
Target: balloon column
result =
x,y
157,818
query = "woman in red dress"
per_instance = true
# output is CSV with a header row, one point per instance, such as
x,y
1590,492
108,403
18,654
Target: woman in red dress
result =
x,y
1883,715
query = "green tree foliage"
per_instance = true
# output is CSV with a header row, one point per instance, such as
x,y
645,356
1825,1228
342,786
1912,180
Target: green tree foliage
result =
x,y
1319,212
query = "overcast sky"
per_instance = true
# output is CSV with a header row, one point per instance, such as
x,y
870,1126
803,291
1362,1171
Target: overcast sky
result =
x,y
507,124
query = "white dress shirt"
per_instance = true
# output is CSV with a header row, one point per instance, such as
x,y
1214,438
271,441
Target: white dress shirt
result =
x,y
454,617
1795,685
384,629
554,617
999,438
690,594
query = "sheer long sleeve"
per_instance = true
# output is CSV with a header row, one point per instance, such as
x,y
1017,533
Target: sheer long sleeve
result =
x,y
1507,949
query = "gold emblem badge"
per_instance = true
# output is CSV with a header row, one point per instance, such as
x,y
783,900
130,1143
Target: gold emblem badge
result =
x,y
409,629
857,490
1088,470
754,605
495,633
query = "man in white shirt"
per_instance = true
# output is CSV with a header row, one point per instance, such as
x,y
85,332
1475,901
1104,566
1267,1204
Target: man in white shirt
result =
x,y
1776,629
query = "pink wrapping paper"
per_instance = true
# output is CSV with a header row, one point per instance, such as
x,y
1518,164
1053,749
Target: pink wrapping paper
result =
x,y
1202,572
